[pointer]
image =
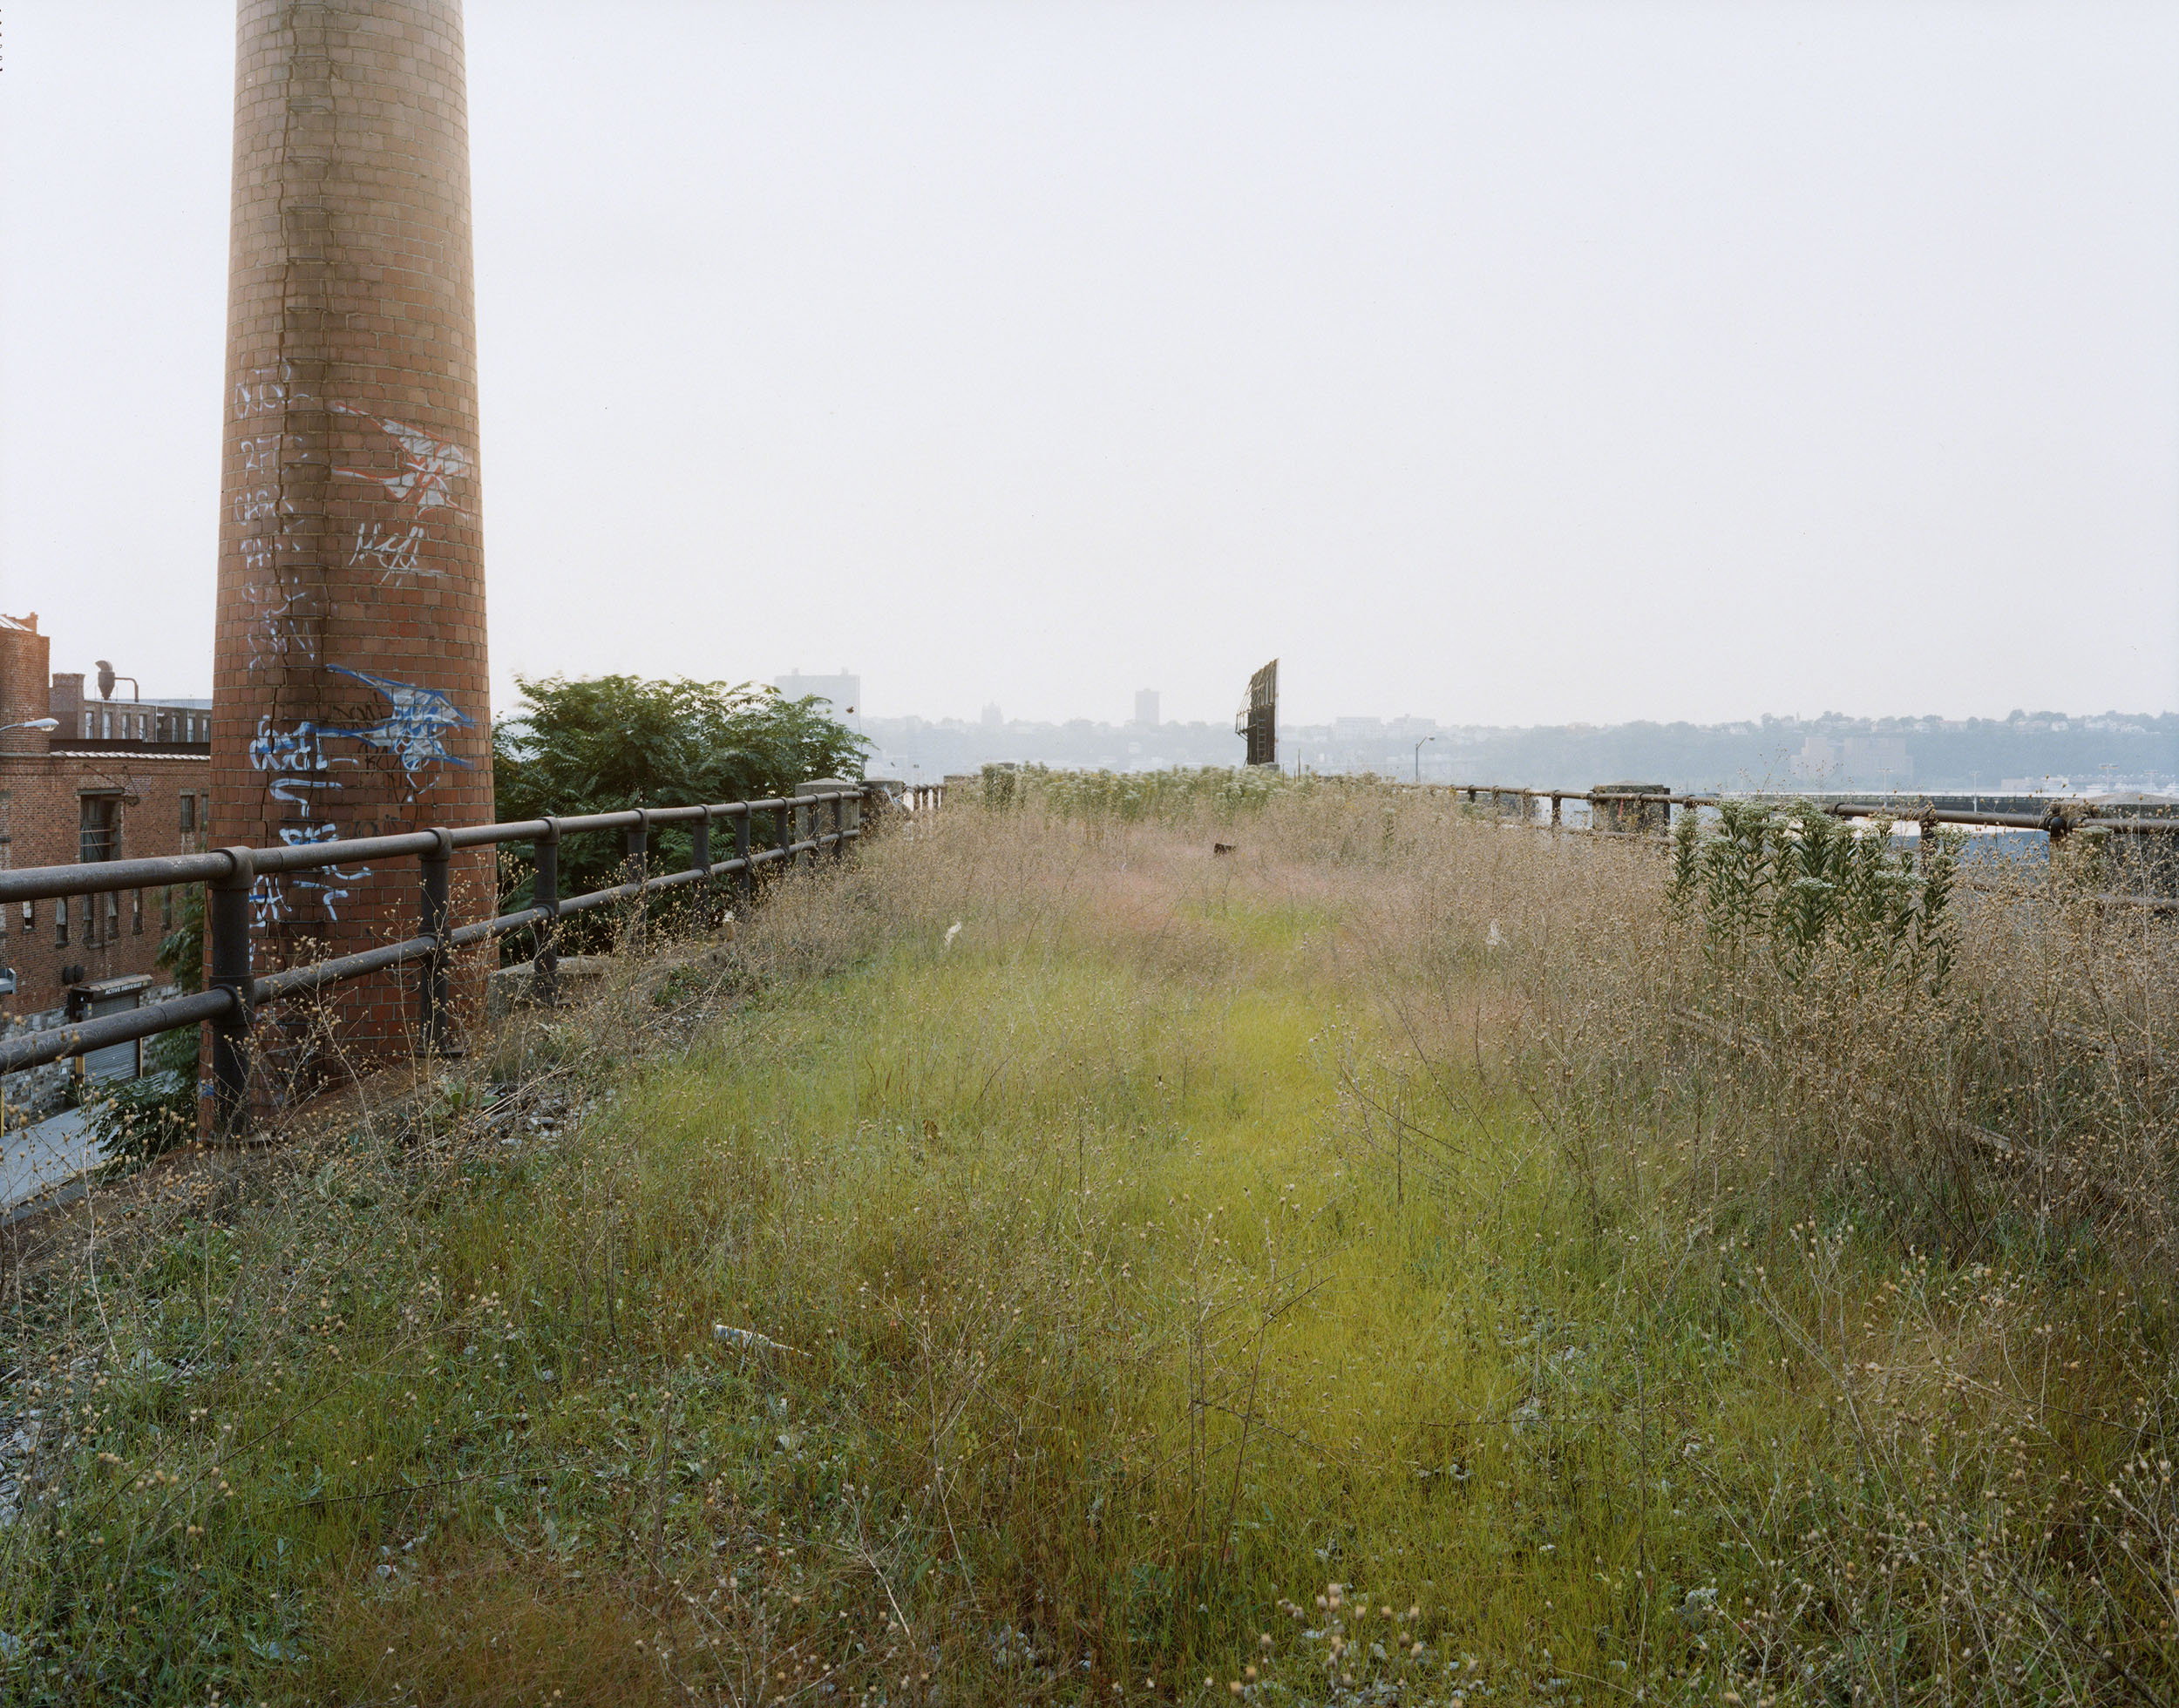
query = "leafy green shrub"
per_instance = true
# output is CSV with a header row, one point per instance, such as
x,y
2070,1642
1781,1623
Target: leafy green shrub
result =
x,y
1790,884
609,743
182,951
142,1118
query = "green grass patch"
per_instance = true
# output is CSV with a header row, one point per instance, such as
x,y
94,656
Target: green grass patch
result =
x,y
1117,1299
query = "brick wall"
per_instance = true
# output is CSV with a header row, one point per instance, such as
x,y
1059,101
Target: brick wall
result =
x,y
40,813
23,656
350,676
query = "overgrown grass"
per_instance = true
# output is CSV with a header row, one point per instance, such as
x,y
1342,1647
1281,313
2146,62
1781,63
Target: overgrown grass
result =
x,y
1401,1259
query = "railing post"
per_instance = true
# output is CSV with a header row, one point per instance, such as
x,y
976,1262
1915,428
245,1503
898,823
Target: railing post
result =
x,y
639,843
699,860
228,923
434,992
804,828
545,893
839,829
1556,798
745,880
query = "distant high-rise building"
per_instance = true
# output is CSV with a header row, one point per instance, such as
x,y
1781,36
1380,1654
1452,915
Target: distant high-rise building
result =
x,y
843,694
993,717
1146,707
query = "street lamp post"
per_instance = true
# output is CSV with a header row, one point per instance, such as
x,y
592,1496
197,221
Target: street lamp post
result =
x,y
1418,757
35,723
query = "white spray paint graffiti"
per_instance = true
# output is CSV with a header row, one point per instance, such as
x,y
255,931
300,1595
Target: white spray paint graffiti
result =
x,y
328,886
291,757
429,468
284,630
267,390
284,626
391,555
295,749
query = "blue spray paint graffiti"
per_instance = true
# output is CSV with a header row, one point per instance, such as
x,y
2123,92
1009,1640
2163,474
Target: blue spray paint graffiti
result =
x,y
414,727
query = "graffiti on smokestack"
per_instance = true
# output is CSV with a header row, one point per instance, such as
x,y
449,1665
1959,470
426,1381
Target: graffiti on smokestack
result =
x,y
413,729
429,468
352,676
288,609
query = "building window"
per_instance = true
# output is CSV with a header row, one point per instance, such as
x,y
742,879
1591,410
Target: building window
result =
x,y
88,724
189,813
99,827
106,726
30,917
136,914
193,727
113,915
204,817
165,909
60,923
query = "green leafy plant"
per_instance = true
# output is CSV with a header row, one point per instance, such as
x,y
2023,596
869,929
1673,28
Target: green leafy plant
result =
x,y
142,1118
608,744
1791,884
182,950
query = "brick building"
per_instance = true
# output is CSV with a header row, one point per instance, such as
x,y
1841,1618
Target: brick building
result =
x,y
65,798
80,719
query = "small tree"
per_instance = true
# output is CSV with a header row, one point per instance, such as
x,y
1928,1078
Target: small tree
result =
x,y
608,744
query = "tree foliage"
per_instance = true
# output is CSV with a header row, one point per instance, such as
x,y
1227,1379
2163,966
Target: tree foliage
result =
x,y
608,743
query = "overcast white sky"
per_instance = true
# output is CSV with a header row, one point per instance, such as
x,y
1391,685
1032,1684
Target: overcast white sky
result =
x,y
1503,363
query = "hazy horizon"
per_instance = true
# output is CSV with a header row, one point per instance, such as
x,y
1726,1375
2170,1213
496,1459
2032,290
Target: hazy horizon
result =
x,y
1500,364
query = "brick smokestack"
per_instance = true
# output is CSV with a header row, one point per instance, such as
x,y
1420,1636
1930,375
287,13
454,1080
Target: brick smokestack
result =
x,y
350,669
27,656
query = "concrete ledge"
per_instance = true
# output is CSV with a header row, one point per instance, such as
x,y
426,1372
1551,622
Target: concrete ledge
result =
x,y
507,988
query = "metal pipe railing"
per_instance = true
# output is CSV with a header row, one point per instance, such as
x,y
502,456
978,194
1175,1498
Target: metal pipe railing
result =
x,y
2055,821
233,993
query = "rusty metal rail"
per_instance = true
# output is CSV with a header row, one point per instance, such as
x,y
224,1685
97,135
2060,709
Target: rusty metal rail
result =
x,y
235,992
2056,823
